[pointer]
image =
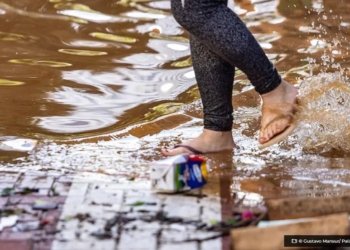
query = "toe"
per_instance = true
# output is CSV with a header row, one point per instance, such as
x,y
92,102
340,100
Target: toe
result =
x,y
175,151
164,151
270,132
280,126
273,129
263,136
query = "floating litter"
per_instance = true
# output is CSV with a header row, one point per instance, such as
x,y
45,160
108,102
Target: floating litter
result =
x,y
179,173
22,145
8,221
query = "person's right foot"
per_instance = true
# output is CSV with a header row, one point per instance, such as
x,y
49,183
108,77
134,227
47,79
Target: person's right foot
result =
x,y
280,101
208,142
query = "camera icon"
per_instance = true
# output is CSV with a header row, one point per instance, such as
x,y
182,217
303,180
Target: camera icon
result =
x,y
294,241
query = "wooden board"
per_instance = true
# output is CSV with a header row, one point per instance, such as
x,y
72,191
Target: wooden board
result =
x,y
271,238
293,208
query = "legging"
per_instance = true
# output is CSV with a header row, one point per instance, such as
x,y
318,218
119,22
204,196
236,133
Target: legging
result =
x,y
219,42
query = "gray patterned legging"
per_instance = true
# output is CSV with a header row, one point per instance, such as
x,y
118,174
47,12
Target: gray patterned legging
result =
x,y
219,42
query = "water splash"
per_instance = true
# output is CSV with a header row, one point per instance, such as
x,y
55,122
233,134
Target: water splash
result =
x,y
325,116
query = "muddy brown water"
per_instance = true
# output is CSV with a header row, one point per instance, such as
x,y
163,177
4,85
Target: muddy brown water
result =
x,y
101,82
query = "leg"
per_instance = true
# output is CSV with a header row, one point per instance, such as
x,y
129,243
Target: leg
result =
x,y
215,81
221,30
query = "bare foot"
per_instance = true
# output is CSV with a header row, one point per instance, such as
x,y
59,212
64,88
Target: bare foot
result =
x,y
283,99
208,142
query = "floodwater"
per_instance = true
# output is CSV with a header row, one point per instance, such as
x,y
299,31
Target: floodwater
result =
x,y
102,84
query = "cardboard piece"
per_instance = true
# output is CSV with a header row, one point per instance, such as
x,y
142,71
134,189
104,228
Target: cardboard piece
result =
x,y
271,238
178,173
293,208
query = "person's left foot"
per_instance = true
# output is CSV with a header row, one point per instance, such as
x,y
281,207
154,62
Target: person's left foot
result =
x,y
278,107
208,142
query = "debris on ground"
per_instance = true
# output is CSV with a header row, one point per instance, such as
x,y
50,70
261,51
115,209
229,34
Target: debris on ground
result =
x,y
17,144
44,205
179,173
300,207
8,221
271,236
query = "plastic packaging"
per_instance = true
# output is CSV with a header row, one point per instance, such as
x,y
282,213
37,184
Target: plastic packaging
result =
x,y
179,173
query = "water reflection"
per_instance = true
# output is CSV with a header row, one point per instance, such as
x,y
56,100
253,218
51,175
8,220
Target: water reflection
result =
x,y
132,68
7,82
80,52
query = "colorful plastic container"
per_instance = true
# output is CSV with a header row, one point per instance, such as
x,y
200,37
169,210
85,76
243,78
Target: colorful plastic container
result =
x,y
179,173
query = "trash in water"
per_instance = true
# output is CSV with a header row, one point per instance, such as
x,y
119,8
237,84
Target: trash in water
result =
x,y
44,205
266,233
272,223
142,203
8,221
6,192
26,190
13,144
28,226
179,173
102,234
247,215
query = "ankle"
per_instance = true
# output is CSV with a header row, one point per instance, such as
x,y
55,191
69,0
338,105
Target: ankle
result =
x,y
285,92
280,89
216,135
